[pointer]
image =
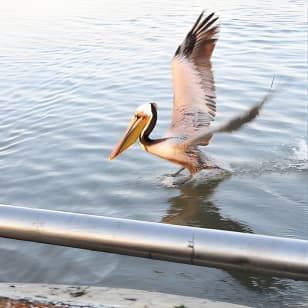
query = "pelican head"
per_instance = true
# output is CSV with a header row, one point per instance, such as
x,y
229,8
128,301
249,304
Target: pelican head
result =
x,y
138,127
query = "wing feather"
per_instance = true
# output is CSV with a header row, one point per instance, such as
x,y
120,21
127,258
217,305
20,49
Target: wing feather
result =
x,y
194,103
233,124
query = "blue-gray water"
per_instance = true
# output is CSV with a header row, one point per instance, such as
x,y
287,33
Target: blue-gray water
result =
x,y
72,74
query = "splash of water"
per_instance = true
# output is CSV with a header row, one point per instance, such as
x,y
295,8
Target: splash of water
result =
x,y
297,160
203,176
301,151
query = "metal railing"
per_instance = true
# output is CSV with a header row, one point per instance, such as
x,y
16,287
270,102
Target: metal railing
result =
x,y
206,247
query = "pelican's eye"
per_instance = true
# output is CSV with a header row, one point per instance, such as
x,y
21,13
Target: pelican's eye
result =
x,y
139,115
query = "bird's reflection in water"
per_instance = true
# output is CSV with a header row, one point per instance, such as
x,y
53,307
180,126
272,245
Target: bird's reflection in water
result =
x,y
194,206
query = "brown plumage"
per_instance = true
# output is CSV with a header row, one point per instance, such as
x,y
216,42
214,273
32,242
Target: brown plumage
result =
x,y
194,102
194,105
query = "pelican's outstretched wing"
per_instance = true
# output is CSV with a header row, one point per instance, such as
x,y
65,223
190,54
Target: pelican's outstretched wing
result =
x,y
232,125
194,103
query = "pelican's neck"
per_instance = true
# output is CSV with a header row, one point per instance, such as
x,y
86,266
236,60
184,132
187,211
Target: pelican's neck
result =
x,y
145,135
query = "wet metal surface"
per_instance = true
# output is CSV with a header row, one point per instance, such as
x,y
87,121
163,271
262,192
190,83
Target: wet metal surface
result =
x,y
234,250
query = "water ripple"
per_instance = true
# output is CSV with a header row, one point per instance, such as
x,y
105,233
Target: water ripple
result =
x,y
72,74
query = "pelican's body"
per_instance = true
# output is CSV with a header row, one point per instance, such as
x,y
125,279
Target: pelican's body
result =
x,y
194,105
173,150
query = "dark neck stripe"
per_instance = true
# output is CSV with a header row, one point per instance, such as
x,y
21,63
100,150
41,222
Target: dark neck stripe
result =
x,y
145,137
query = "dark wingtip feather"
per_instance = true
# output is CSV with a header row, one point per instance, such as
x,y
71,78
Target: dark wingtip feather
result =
x,y
201,27
205,22
178,50
197,22
208,25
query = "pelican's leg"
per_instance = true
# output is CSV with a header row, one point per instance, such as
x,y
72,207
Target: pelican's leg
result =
x,y
178,172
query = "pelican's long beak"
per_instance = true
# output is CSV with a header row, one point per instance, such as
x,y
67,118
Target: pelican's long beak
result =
x,y
131,134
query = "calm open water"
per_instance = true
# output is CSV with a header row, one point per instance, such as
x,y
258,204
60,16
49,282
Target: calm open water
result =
x,y
71,76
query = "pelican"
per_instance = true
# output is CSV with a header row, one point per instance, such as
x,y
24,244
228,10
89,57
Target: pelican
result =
x,y
194,105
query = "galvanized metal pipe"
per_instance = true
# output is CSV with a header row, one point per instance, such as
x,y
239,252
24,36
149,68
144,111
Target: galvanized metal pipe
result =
x,y
206,247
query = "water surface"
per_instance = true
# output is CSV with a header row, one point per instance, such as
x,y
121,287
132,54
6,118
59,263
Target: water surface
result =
x,y
71,76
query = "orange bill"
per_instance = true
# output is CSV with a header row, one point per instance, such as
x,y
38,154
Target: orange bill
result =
x,y
130,136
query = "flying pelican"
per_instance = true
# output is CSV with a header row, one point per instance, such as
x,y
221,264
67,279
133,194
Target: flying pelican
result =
x,y
194,105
